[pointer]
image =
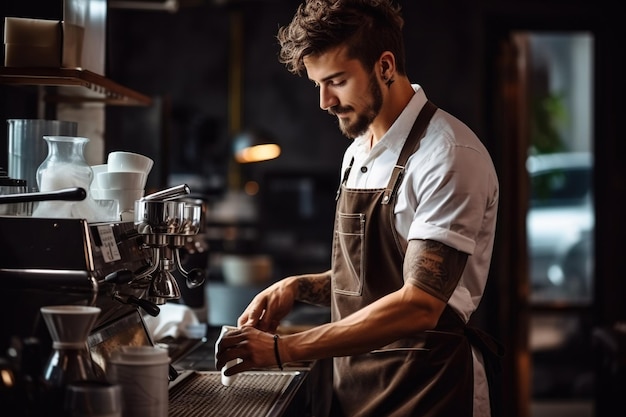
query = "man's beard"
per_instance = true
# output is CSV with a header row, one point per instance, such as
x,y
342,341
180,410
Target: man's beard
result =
x,y
364,119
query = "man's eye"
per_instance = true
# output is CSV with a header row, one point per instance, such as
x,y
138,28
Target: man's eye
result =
x,y
336,83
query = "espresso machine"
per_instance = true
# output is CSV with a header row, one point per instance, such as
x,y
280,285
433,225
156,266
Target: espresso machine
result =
x,y
124,268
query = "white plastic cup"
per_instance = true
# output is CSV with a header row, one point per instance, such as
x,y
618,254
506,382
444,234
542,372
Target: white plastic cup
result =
x,y
227,380
142,372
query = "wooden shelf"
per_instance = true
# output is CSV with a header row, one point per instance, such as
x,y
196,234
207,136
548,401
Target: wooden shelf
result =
x,y
76,85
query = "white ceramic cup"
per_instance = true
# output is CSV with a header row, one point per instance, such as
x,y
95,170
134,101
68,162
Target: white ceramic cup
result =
x,y
142,372
227,380
129,161
99,168
121,180
125,198
94,188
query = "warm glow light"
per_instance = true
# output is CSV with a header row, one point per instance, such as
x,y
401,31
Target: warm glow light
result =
x,y
8,379
257,153
251,187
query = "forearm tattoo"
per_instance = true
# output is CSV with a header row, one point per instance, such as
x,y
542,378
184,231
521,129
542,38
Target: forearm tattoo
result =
x,y
314,289
434,267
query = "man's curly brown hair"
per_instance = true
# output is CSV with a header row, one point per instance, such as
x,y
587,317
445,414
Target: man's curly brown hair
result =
x,y
367,27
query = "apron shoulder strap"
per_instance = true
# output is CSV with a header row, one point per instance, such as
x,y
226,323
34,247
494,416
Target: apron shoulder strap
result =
x,y
344,178
409,148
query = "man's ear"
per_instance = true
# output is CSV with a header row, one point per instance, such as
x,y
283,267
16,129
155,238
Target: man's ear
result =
x,y
387,65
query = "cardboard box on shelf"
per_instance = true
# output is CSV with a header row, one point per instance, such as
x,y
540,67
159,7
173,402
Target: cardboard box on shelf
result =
x,y
42,43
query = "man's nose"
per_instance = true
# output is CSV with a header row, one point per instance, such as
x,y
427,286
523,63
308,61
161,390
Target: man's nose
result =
x,y
327,99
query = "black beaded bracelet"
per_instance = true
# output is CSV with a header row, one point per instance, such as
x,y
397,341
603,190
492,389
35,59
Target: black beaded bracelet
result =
x,y
276,353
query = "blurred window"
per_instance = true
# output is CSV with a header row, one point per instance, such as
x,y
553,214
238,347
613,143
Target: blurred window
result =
x,y
561,187
560,219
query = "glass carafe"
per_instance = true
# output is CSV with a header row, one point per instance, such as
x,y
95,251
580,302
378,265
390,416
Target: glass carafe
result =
x,y
65,166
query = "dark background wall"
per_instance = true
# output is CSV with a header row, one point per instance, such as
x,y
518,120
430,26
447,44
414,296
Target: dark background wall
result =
x,y
184,58
184,61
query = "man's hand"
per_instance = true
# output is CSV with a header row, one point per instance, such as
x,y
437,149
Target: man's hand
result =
x,y
270,306
254,347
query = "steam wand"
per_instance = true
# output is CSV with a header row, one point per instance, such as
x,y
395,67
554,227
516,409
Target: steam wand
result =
x,y
193,278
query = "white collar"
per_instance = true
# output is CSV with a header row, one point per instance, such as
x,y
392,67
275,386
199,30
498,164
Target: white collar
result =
x,y
395,137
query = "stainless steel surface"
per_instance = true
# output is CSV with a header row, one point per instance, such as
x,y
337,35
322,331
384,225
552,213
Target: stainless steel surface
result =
x,y
171,193
10,186
253,394
194,278
165,225
90,16
129,330
172,218
163,286
66,261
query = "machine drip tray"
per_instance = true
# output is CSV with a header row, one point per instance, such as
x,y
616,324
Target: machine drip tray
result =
x,y
201,394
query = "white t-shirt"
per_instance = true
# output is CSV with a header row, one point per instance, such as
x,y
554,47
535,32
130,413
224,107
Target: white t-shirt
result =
x,y
449,194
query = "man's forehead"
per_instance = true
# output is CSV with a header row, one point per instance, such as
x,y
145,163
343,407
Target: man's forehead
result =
x,y
335,60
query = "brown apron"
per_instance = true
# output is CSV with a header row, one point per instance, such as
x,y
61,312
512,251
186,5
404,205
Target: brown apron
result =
x,y
430,374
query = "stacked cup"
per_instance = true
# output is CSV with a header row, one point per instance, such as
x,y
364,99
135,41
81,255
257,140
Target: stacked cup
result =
x,y
143,374
122,178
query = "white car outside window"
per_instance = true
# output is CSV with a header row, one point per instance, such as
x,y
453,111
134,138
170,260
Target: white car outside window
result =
x,y
560,224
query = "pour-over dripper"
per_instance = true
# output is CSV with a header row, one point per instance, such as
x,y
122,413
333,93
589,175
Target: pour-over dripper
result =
x,y
70,360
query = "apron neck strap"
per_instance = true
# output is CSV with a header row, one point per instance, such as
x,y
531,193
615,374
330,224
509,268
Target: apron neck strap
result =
x,y
410,146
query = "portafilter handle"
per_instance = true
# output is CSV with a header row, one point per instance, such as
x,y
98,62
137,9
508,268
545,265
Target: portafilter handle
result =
x,y
168,194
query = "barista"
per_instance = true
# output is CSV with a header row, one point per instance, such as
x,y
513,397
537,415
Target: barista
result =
x,y
414,233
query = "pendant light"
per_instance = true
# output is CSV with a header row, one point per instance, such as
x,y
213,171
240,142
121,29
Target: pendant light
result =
x,y
254,146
